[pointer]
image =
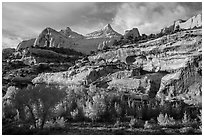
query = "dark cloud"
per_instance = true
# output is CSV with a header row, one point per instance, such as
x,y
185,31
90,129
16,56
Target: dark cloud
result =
x,y
27,20
196,6
192,7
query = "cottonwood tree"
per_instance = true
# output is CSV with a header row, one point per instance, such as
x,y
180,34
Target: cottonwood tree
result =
x,y
40,101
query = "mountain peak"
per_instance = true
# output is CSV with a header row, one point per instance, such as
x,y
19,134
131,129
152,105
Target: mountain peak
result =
x,y
108,26
106,31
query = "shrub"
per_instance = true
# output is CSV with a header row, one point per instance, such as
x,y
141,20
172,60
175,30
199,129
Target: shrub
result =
x,y
40,100
58,123
165,120
200,120
147,125
136,123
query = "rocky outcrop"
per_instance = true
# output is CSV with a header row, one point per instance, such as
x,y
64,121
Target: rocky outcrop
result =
x,y
168,30
133,33
25,44
191,23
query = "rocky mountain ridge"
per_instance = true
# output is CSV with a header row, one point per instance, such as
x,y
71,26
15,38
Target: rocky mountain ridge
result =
x,y
98,39
70,39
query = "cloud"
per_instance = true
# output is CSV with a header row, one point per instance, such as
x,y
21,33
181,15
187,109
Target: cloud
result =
x,y
10,42
151,17
27,20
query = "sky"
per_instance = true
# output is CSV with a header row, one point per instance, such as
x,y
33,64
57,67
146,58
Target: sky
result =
x,y
23,21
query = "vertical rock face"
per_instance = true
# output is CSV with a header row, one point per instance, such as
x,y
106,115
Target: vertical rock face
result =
x,y
186,83
133,32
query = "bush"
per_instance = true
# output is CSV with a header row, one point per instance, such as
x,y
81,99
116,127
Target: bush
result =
x,y
165,120
200,120
136,123
58,123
